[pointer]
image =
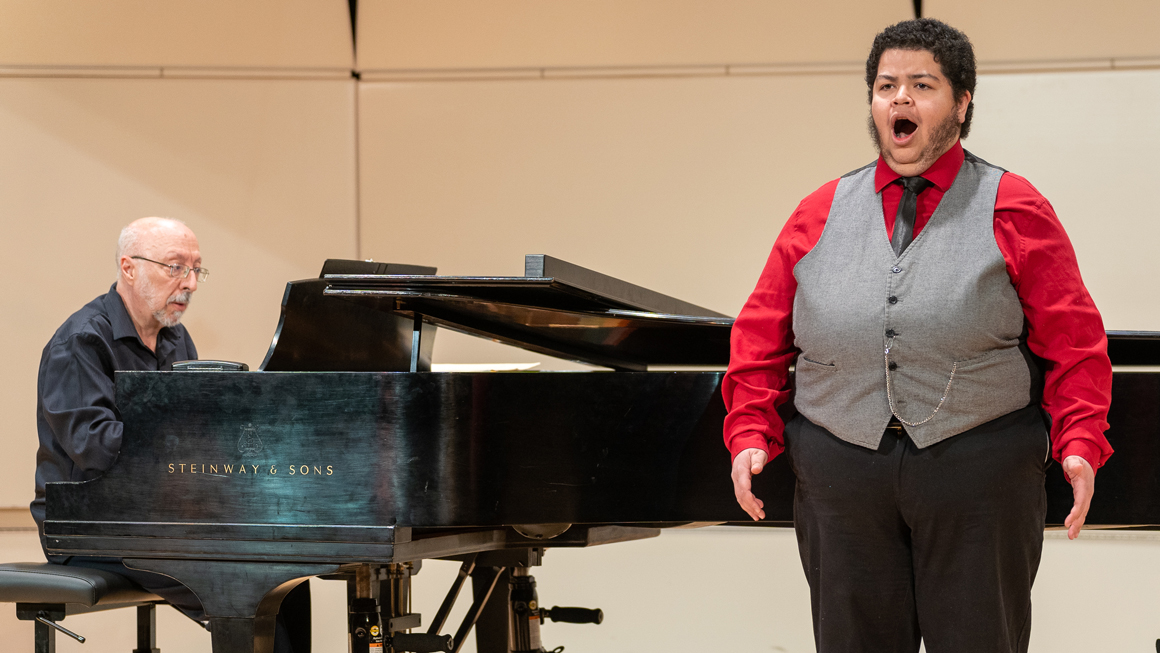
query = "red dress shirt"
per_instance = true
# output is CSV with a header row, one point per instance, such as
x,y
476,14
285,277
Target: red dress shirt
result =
x,y
1063,326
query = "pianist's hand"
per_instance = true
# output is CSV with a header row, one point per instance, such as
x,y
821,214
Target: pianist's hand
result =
x,y
745,465
1083,485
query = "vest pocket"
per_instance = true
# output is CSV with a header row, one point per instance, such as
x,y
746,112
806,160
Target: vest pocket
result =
x,y
977,361
816,364
817,384
990,385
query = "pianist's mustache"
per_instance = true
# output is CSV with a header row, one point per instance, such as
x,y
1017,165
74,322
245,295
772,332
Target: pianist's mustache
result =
x,y
180,298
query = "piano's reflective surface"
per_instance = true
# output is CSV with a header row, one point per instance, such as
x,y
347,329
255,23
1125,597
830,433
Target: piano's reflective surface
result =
x,y
346,457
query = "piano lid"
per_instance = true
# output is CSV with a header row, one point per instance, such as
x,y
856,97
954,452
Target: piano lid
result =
x,y
359,316
556,308
547,283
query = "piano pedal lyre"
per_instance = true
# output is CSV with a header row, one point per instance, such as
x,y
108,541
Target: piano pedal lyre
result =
x,y
379,599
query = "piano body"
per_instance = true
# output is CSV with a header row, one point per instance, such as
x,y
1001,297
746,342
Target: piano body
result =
x,y
346,457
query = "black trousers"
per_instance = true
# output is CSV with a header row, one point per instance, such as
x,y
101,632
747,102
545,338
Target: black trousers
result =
x,y
292,630
938,545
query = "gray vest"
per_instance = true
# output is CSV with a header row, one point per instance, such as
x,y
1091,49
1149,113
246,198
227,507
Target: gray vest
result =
x,y
932,336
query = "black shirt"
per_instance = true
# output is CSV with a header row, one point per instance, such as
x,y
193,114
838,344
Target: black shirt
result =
x,y
76,417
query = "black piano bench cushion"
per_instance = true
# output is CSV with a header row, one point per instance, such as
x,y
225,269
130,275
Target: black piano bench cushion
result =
x,y
43,582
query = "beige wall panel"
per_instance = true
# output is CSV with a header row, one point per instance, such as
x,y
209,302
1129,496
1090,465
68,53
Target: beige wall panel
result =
x,y
263,171
411,34
679,185
1054,29
253,33
1095,162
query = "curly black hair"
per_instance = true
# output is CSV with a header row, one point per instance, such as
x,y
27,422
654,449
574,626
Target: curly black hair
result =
x,y
950,48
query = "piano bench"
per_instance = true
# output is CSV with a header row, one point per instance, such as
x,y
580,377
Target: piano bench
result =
x,y
46,593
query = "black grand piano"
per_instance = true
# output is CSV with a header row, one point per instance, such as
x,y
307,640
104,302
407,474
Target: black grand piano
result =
x,y
346,457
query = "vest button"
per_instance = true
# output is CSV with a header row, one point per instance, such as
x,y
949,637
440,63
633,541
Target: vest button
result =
x,y
892,299
890,333
896,269
892,366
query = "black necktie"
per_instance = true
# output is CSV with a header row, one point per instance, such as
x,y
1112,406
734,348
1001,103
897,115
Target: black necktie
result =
x,y
904,220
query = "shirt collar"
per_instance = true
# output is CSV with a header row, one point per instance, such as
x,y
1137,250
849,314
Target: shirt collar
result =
x,y
122,323
942,173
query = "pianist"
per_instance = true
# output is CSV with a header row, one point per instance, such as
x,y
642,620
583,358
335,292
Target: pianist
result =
x,y
135,326
945,348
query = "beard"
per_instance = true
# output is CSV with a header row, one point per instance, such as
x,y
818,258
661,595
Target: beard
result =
x,y
152,298
941,139
168,320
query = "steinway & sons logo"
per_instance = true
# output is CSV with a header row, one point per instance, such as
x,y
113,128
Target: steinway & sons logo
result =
x,y
249,445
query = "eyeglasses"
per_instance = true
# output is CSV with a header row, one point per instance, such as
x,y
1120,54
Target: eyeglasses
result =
x,y
178,271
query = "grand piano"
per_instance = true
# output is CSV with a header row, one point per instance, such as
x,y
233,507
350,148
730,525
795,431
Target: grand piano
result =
x,y
345,457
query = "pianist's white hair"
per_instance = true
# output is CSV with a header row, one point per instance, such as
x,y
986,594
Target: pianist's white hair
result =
x,y
131,234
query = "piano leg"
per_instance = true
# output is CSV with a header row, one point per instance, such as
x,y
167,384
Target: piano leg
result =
x,y
491,589
243,634
240,599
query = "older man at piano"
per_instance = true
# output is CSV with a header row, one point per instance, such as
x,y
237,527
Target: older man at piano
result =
x,y
135,326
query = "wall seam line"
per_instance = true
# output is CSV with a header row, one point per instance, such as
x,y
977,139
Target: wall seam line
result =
x,y
543,73
357,175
